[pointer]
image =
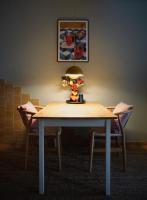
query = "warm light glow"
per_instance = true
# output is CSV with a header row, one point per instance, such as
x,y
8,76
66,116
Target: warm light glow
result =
x,y
74,76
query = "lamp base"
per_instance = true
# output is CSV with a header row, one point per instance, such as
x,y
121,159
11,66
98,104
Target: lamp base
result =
x,y
74,102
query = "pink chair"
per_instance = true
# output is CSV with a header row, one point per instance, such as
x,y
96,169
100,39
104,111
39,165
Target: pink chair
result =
x,y
123,112
26,112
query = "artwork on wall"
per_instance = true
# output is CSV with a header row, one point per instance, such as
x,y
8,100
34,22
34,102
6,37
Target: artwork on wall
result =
x,y
73,40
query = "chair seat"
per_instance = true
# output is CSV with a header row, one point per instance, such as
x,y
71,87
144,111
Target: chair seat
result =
x,y
104,134
48,131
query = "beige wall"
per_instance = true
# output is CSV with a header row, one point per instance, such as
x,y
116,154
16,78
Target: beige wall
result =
x,y
117,67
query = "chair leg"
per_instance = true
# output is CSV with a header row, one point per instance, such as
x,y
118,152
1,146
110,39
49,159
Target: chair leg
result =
x,y
91,151
124,151
59,150
123,145
118,145
26,151
55,142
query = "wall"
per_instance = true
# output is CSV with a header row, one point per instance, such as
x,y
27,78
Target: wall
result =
x,y
116,70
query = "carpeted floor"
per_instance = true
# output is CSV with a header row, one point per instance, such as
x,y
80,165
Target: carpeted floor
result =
x,y
74,182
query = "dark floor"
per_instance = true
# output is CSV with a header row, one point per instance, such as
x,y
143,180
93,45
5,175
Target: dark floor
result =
x,y
74,181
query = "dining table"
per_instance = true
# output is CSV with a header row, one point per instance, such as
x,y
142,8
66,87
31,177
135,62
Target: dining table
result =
x,y
62,114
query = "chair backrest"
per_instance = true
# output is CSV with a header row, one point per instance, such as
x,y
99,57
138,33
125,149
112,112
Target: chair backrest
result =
x,y
124,117
26,118
26,112
124,112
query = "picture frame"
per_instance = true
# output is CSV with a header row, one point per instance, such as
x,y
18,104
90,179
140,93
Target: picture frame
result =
x,y
73,40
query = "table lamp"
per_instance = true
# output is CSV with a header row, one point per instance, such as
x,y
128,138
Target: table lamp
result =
x,y
73,79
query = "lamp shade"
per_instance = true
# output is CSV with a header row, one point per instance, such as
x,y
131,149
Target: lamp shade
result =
x,y
74,72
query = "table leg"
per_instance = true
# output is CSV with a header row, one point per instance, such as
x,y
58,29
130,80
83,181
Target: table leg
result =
x,y
41,157
108,155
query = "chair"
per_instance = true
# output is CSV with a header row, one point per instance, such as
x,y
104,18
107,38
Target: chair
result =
x,y
26,112
123,112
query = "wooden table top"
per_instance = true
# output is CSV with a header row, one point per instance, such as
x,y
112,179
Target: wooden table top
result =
x,y
64,110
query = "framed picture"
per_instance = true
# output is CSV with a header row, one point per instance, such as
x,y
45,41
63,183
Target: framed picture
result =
x,y
73,39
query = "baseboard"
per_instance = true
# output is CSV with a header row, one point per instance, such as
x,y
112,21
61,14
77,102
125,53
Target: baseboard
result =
x,y
137,146
130,146
6,147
